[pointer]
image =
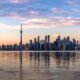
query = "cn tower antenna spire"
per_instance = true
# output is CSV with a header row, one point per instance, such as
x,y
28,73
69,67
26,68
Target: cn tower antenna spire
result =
x,y
21,31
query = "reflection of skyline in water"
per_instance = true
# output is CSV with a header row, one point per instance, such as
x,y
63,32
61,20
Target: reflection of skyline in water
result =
x,y
65,58
38,58
23,65
59,57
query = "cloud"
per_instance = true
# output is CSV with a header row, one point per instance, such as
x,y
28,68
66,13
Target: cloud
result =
x,y
57,10
53,22
21,10
76,10
19,14
30,10
33,12
13,15
62,11
73,2
16,1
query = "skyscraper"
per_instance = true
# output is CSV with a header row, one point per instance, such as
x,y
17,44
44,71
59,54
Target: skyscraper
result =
x,y
38,38
38,43
48,38
45,38
35,41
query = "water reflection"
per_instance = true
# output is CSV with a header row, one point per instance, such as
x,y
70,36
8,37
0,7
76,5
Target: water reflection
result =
x,y
21,67
37,65
65,58
37,57
61,58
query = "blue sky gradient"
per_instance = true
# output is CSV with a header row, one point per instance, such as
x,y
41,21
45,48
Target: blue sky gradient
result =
x,y
41,17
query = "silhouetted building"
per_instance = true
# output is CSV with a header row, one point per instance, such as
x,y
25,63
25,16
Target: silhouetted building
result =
x,y
31,46
38,43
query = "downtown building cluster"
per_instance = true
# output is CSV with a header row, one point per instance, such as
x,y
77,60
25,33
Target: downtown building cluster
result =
x,y
38,44
58,44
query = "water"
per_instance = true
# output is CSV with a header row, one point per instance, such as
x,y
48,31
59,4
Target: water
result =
x,y
39,65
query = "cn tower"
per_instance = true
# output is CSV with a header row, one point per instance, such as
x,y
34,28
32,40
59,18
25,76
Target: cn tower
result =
x,y
21,31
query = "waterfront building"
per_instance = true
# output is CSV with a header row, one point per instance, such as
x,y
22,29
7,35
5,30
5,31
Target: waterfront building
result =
x,y
31,47
35,41
38,43
46,43
58,42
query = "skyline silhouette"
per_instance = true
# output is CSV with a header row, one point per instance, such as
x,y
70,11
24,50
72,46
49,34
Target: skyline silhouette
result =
x,y
43,44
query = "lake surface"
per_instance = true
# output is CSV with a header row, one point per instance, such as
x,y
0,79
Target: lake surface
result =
x,y
39,65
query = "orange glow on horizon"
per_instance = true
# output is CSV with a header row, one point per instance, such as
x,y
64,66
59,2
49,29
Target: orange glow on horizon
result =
x,y
26,39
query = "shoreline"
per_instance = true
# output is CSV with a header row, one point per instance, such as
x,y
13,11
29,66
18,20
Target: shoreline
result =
x,y
39,51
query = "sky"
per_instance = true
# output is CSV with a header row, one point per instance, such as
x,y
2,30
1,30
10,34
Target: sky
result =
x,y
39,17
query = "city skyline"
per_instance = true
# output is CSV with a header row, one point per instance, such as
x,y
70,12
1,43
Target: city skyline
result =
x,y
42,17
44,44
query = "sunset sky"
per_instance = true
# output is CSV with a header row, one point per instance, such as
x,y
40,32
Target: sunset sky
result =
x,y
41,17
